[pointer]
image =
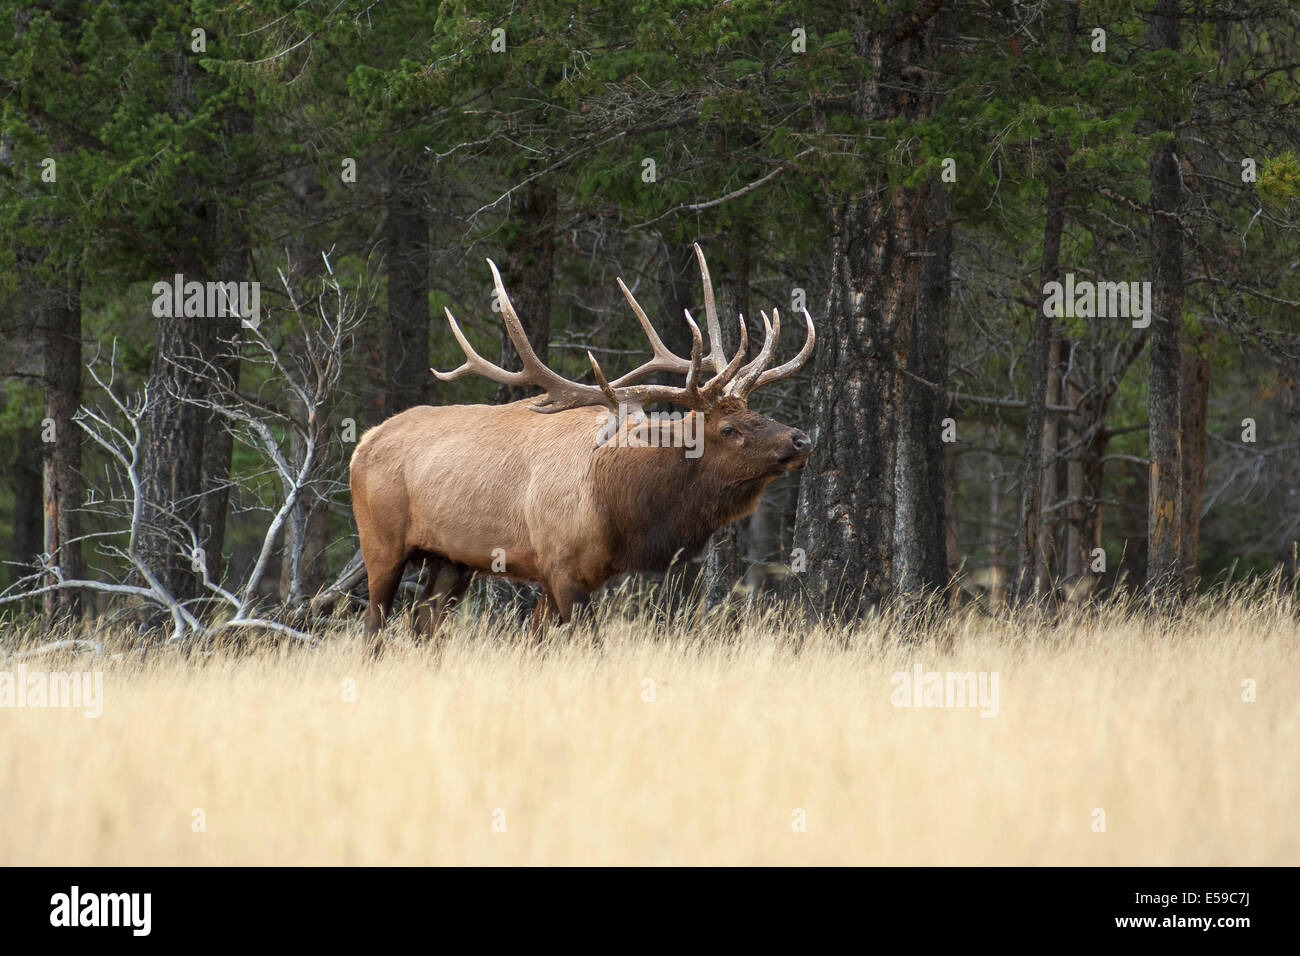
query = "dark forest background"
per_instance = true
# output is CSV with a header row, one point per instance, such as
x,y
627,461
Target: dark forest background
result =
x,y
913,172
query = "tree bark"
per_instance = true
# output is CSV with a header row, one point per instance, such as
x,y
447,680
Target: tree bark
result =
x,y
406,231
218,442
1029,509
1074,563
28,485
845,516
1194,381
1049,494
61,322
1040,436
952,544
993,542
234,265
1164,552
920,522
172,470
721,559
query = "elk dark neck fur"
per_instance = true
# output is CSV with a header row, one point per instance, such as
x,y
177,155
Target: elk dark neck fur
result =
x,y
659,502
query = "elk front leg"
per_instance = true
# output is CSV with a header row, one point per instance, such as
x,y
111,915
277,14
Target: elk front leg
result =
x,y
574,604
545,611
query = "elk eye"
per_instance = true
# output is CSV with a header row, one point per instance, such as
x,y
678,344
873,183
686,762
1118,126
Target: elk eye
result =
x,y
729,431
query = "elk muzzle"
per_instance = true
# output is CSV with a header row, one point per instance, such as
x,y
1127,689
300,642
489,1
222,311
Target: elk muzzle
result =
x,y
797,452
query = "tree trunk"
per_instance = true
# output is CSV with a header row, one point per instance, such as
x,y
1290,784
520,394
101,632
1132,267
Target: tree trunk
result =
x,y
1029,510
1194,381
28,485
993,542
406,231
1164,553
1049,494
172,469
218,443
952,544
920,523
761,544
61,321
234,265
1089,437
1031,539
1074,561
171,472
845,518
721,559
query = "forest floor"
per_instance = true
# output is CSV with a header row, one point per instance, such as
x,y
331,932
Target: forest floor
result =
x,y
1109,737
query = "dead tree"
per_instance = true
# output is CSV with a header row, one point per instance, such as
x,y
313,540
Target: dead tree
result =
x,y
286,424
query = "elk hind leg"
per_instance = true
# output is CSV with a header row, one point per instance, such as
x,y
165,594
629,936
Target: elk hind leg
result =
x,y
383,577
445,585
573,602
545,612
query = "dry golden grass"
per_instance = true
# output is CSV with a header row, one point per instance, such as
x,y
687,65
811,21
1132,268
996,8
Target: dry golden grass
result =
x,y
1140,717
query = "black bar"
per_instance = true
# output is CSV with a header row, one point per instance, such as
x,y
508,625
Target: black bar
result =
x,y
927,905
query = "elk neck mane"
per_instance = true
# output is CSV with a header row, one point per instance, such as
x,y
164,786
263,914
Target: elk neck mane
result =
x,y
658,502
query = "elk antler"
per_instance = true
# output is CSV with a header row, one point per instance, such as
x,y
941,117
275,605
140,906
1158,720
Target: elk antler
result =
x,y
781,371
729,378
561,393
666,361
716,358
753,376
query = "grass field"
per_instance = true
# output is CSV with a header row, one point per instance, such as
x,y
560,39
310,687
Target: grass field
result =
x,y
771,743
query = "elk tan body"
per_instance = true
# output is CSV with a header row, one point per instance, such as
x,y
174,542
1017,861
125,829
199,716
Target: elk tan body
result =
x,y
536,490
482,484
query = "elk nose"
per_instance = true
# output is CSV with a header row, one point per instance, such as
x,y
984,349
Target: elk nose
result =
x,y
800,441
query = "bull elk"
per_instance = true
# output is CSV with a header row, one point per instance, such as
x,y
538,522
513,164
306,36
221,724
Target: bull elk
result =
x,y
543,490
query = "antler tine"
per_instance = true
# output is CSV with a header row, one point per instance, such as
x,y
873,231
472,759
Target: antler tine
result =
x,y
600,380
690,396
477,364
646,325
717,358
560,392
720,381
663,361
744,383
697,352
796,363
667,361
515,329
